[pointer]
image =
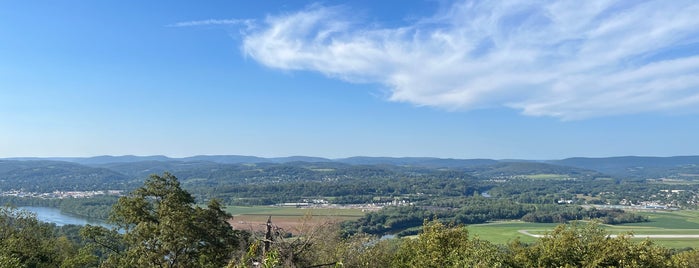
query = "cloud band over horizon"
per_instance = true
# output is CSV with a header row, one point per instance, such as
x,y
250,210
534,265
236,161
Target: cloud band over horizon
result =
x,y
564,59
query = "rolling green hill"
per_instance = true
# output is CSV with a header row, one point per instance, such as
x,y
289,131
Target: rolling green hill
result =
x,y
635,167
532,169
48,176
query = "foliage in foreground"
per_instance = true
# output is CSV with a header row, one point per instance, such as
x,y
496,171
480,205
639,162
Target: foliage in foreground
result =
x,y
440,245
27,242
163,228
446,246
587,246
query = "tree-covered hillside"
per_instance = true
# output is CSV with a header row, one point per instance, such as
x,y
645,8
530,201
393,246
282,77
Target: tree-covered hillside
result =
x,y
630,167
638,167
49,176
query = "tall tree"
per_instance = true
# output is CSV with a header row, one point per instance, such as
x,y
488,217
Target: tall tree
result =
x,y
164,228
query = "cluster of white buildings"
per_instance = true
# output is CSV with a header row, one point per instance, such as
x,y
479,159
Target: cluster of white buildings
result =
x,y
62,194
322,203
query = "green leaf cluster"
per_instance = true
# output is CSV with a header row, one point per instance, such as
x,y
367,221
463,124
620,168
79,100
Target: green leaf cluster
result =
x,y
164,228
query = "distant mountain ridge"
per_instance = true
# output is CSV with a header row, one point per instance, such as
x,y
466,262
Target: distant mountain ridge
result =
x,y
244,159
633,167
532,168
636,166
96,160
416,161
58,175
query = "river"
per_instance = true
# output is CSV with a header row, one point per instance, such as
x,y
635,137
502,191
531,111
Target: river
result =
x,y
54,215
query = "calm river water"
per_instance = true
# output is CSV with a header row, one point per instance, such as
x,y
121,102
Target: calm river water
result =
x,y
54,215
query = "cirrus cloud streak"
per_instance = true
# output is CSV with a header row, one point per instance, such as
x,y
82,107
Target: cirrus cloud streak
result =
x,y
565,59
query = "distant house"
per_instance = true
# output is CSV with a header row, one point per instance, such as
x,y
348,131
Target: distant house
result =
x,y
564,201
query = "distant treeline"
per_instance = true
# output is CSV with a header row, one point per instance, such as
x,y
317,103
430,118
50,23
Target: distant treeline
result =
x,y
406,220
346,191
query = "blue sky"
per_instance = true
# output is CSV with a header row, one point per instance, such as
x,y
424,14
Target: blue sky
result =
x,y
458,79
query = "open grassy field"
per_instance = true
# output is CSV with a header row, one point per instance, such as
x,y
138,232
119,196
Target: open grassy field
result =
x,y
676,223
291,219
683,219
506,231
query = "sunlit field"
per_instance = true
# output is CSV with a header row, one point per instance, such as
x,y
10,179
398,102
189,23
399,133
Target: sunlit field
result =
x,y
661,223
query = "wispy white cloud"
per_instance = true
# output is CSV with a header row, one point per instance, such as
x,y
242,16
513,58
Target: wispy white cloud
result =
x,y
566,59
211,22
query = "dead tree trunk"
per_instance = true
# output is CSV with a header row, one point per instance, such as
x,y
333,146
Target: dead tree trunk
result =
x,y
268,235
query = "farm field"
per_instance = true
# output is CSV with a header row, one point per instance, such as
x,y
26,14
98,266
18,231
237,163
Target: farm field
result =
x,y
507,231
291,219
682,226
